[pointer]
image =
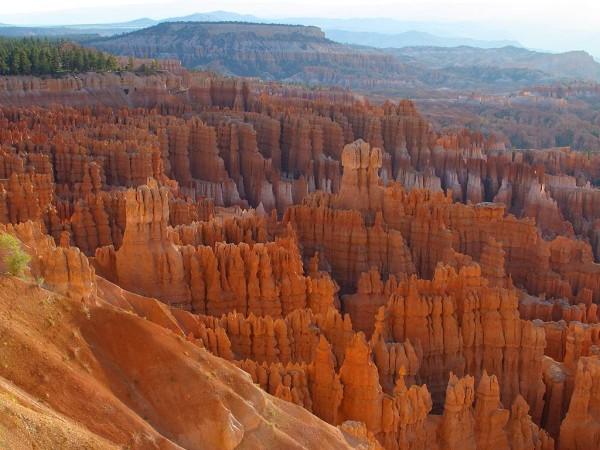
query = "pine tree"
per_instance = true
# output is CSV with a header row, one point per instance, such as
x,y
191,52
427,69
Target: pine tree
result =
x,y
4,68
15,63
44,56
25,63
79,60
44,63
111,63
99,61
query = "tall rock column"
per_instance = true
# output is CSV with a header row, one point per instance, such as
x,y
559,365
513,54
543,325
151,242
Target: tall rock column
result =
x,y
147,262
360,181
326,388
456,429
490,417
363,395
581,428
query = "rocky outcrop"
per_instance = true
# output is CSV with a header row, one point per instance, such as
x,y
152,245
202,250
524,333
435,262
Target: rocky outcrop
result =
x,y
580,427
64,269
147,261
465,327
417,289
359,187
265,279
372,293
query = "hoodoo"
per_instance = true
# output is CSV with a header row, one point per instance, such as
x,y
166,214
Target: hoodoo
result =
x,y
191,260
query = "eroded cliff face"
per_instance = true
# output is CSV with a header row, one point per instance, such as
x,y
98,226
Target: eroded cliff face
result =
x,y
415,291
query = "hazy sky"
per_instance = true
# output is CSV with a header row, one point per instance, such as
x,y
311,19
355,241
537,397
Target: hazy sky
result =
x,y
563,13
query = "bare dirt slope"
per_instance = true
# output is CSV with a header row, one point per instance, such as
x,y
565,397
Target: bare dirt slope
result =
x,y
96,376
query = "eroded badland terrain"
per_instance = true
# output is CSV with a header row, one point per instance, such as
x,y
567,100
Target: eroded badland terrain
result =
x,y
222,263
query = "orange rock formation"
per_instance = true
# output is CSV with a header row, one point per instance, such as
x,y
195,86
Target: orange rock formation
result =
x,y
310,271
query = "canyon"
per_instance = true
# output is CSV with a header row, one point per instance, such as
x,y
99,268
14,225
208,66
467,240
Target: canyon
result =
x,y
528,99
306,55
224,262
